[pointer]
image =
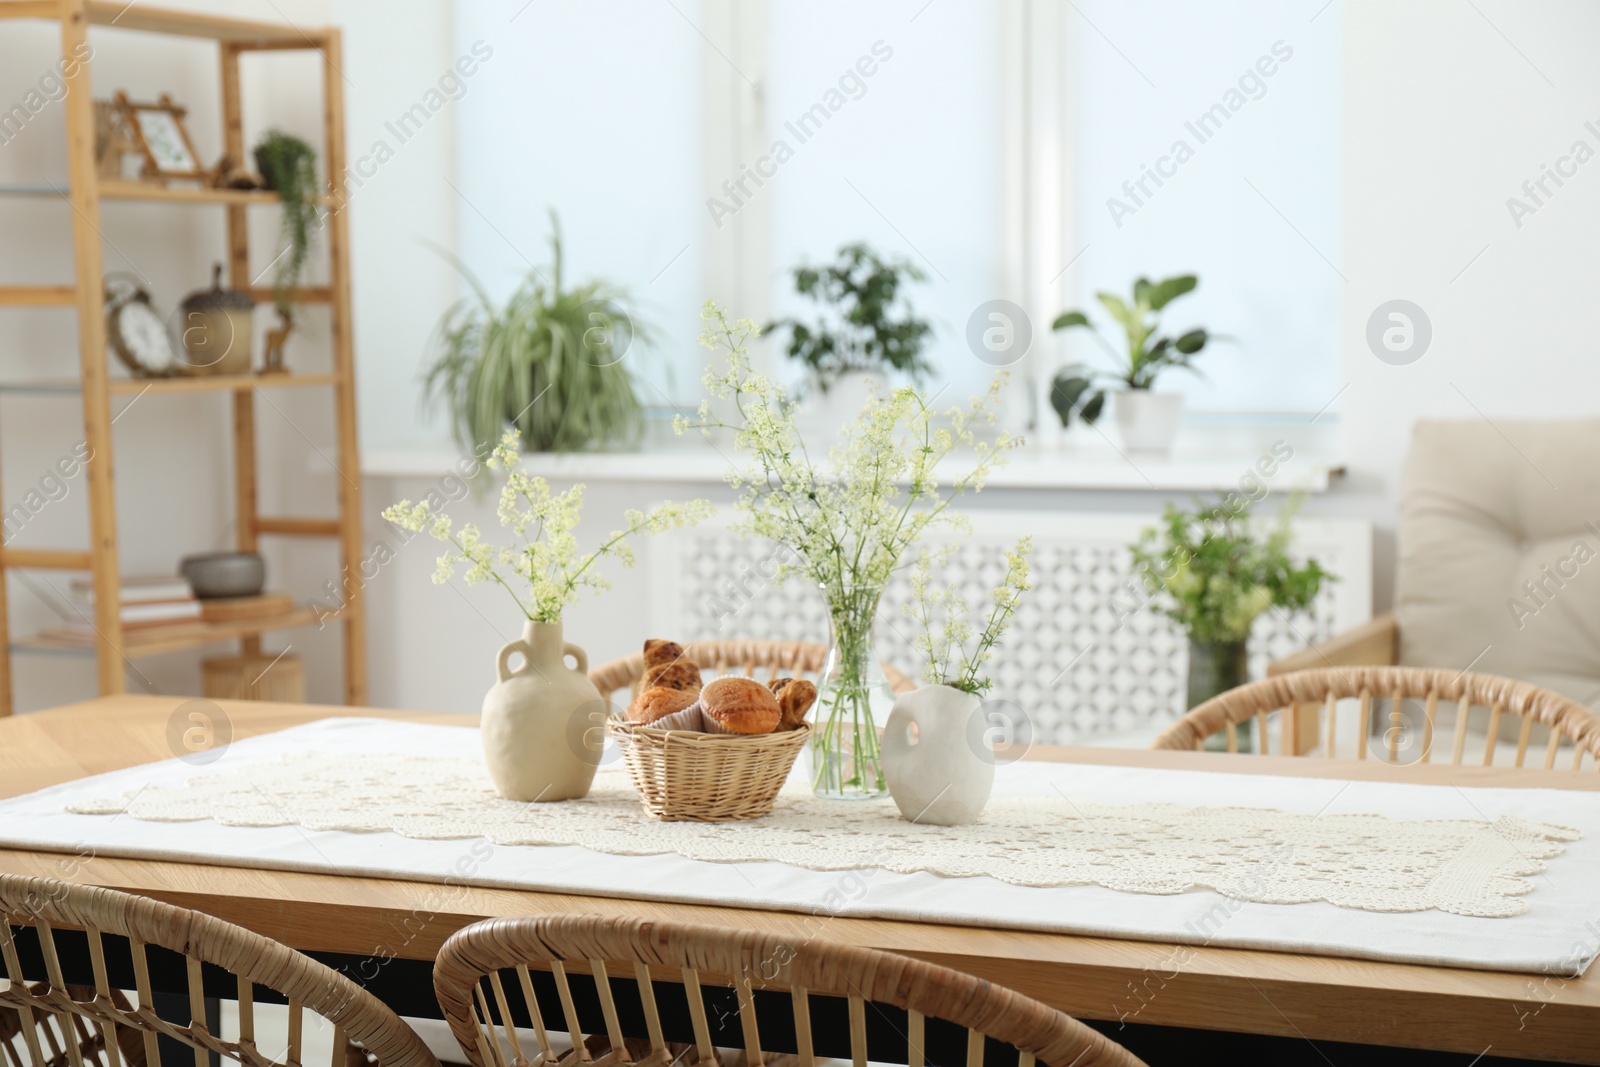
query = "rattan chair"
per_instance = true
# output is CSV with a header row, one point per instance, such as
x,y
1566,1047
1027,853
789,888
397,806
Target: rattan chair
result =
x,y
744,995
60,1018
774,659
1309,700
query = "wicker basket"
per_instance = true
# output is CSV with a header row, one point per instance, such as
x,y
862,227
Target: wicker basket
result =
x,y
685,776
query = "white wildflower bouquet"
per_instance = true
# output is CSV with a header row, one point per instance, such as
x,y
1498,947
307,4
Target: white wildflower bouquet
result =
x,y
850,521
944,639
545,563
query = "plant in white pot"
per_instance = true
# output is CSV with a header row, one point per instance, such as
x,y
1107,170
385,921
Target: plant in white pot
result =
x,y
865,330
935,748
1148,420
541,721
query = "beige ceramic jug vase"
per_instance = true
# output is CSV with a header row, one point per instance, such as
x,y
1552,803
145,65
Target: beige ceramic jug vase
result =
x,y
544,723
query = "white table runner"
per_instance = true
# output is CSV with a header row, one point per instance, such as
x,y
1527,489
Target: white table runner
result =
x,y
1558,932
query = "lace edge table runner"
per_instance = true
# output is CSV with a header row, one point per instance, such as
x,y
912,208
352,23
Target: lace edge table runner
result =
x,y
1368,862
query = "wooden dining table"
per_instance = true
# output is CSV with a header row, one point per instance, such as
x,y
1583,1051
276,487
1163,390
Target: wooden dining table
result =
x,y
386,932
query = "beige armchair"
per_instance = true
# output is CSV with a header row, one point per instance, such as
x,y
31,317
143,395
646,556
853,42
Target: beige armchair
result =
x,y
1499,565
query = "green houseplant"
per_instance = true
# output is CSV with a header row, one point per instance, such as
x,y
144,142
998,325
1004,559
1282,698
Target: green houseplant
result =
x,y
865,323
1214,575
848,522
1148,420
289,167
549,363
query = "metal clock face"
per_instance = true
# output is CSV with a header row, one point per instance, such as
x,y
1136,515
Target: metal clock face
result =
x,y
144,336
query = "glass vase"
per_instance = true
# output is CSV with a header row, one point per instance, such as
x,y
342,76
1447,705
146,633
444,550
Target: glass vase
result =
x,y
853,703
1216,667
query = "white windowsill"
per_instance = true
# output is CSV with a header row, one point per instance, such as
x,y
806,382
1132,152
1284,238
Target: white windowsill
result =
x,y
1205,461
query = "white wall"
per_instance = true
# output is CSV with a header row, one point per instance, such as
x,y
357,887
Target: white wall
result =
x,y
1444,120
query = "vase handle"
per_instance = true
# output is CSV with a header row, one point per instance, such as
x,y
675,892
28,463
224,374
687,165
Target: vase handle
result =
x,y
500,667
570,649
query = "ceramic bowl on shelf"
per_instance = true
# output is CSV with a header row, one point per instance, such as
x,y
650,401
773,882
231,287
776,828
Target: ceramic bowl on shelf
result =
x,y
224,574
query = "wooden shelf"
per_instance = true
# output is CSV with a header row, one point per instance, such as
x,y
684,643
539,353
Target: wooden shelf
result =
x,y
244,32
150,640
113,189
125,189
134,386
221,382
84,195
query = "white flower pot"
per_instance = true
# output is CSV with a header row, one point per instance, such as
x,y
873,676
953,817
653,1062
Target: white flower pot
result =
x,y
933,759
1148,421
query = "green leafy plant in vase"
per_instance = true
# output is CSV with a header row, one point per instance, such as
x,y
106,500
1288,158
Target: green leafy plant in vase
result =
x,y
542,722
549,363
1148,420
288,165
848,522
864,330
1214,575
937,751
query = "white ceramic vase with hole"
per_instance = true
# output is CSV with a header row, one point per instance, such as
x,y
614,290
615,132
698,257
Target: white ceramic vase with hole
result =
x,y
933,756
543,723
1149,421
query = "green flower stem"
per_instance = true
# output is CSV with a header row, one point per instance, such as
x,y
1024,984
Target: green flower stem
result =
x,y
849,720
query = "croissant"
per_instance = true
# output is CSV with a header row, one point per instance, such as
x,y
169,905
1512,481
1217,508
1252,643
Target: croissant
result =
x,y
681,674
740,705
658,651
795,697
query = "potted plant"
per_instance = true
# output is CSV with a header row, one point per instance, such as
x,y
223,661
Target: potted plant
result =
x,y
865,329
538,719
1148,420
848,523
1214,576
288,165
549,363
935,755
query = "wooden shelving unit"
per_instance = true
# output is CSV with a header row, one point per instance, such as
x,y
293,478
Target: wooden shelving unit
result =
x,y
112,645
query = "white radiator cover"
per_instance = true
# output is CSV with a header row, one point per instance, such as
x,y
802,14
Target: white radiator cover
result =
x,y
1081,659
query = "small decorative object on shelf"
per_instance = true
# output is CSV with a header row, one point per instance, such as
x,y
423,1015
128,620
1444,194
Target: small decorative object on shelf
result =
x,y
217,325
137,334
224,574
848,524
230,173
162,138
117,153
866,329
1214,576
710,751
288,167
549,363
1147,420
272,358
936,753
543,722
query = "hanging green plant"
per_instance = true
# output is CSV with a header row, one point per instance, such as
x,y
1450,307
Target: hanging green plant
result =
x,y
549,363
289,166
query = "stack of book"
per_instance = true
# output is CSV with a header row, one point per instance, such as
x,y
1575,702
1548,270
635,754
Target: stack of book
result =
x,y
146,601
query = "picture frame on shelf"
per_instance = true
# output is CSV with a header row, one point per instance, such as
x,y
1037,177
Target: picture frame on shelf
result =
x,y
163,139
116,150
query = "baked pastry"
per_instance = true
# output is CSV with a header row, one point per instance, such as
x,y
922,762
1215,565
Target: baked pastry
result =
x,y
690,718
740,705
681,674
659,702
666,665
658,651
795,697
